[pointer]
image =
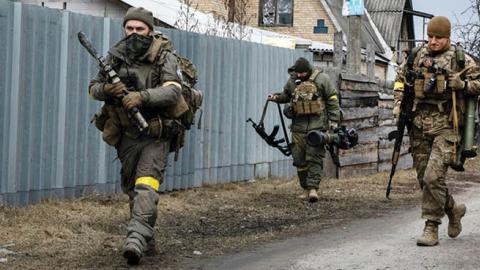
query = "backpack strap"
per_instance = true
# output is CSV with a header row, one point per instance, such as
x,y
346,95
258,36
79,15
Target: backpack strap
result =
x,y
412,55
460,55
314,75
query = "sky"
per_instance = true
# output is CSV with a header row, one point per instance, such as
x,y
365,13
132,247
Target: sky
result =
x,y
448,8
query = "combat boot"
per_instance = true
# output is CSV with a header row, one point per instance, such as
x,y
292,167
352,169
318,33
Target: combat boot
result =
x,y
312,196
304,195
132,251
454,216
430,234
151,249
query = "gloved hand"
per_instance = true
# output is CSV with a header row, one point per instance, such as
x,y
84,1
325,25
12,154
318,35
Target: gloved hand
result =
x,y
332,125
131,100
114,89
455,82
272,97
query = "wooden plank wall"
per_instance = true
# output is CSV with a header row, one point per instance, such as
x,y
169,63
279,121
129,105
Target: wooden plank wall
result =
x,y
367,105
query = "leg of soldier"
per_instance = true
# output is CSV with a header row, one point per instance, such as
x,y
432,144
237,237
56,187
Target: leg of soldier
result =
x,y
148,175
314,158
421,148
298,154
435,190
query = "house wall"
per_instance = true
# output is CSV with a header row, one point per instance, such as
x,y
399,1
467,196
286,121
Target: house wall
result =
x,y
306,13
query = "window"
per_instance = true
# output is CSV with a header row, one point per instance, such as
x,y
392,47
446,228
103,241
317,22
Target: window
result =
x,y
276,12
320,28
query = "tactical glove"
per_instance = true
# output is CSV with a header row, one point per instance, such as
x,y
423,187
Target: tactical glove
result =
x,y
455,82
131,100
114,89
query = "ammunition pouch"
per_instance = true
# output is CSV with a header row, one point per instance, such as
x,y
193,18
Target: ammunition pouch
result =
x,y
288,111
112,132
431,85
174,132
109,121
304,107
100,118
155,128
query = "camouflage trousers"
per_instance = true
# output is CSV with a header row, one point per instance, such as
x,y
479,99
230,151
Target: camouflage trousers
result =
x,y
432,155
308,160
143,166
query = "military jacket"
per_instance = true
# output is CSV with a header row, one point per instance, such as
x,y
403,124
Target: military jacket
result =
x,y
433,105
155,74
325,92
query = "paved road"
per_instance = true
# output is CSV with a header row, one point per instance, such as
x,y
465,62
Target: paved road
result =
x,y
381,243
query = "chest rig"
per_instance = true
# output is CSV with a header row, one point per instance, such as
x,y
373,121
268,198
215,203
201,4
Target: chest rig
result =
x,y
432,74
306,99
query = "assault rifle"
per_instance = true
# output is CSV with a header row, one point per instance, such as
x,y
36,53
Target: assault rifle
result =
x,y
404,120
112,76
270,138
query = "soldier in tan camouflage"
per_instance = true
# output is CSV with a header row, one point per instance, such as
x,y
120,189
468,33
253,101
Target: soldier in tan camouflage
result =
x,y
149,81
444,75
314,103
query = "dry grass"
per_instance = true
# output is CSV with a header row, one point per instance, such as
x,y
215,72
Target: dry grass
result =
x,y
88,232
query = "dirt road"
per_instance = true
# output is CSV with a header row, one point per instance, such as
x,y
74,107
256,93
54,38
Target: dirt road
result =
x,y
377,243
352,226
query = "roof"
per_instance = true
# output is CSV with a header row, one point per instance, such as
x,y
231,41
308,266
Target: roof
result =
x,y
167,11
369,35
387,16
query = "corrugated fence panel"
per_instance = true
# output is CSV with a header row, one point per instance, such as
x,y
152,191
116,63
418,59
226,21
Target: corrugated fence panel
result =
x,y
48,147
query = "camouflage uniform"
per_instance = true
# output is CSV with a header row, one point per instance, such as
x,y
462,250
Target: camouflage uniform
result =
x,y
308,159
433,138
143,155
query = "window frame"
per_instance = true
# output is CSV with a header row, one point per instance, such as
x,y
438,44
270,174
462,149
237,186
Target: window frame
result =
x,y
260,17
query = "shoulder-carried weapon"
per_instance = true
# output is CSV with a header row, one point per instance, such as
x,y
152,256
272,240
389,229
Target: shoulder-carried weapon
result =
x,y
112,76
341,137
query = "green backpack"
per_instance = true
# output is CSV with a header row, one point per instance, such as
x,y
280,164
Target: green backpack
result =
x,y
189,76
192,96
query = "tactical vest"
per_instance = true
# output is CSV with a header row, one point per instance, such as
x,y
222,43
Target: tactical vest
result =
x,y
306,99
430,84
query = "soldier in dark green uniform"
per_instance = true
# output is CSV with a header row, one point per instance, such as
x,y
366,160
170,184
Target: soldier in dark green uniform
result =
x,y
437,122
149,81
315,106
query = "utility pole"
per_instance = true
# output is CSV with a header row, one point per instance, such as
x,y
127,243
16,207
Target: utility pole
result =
x,y
354,10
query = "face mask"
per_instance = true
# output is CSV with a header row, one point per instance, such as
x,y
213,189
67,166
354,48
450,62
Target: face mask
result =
x,y
137,45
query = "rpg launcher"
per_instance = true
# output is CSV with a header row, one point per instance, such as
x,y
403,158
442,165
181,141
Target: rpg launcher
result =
x,y
270,138
112,76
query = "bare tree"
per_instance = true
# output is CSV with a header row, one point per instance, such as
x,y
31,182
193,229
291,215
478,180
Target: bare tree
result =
x,y
235,23
469,32
238,18
186,16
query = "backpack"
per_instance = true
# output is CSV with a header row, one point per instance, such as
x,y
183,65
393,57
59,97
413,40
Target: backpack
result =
x,y
192,96
189,76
